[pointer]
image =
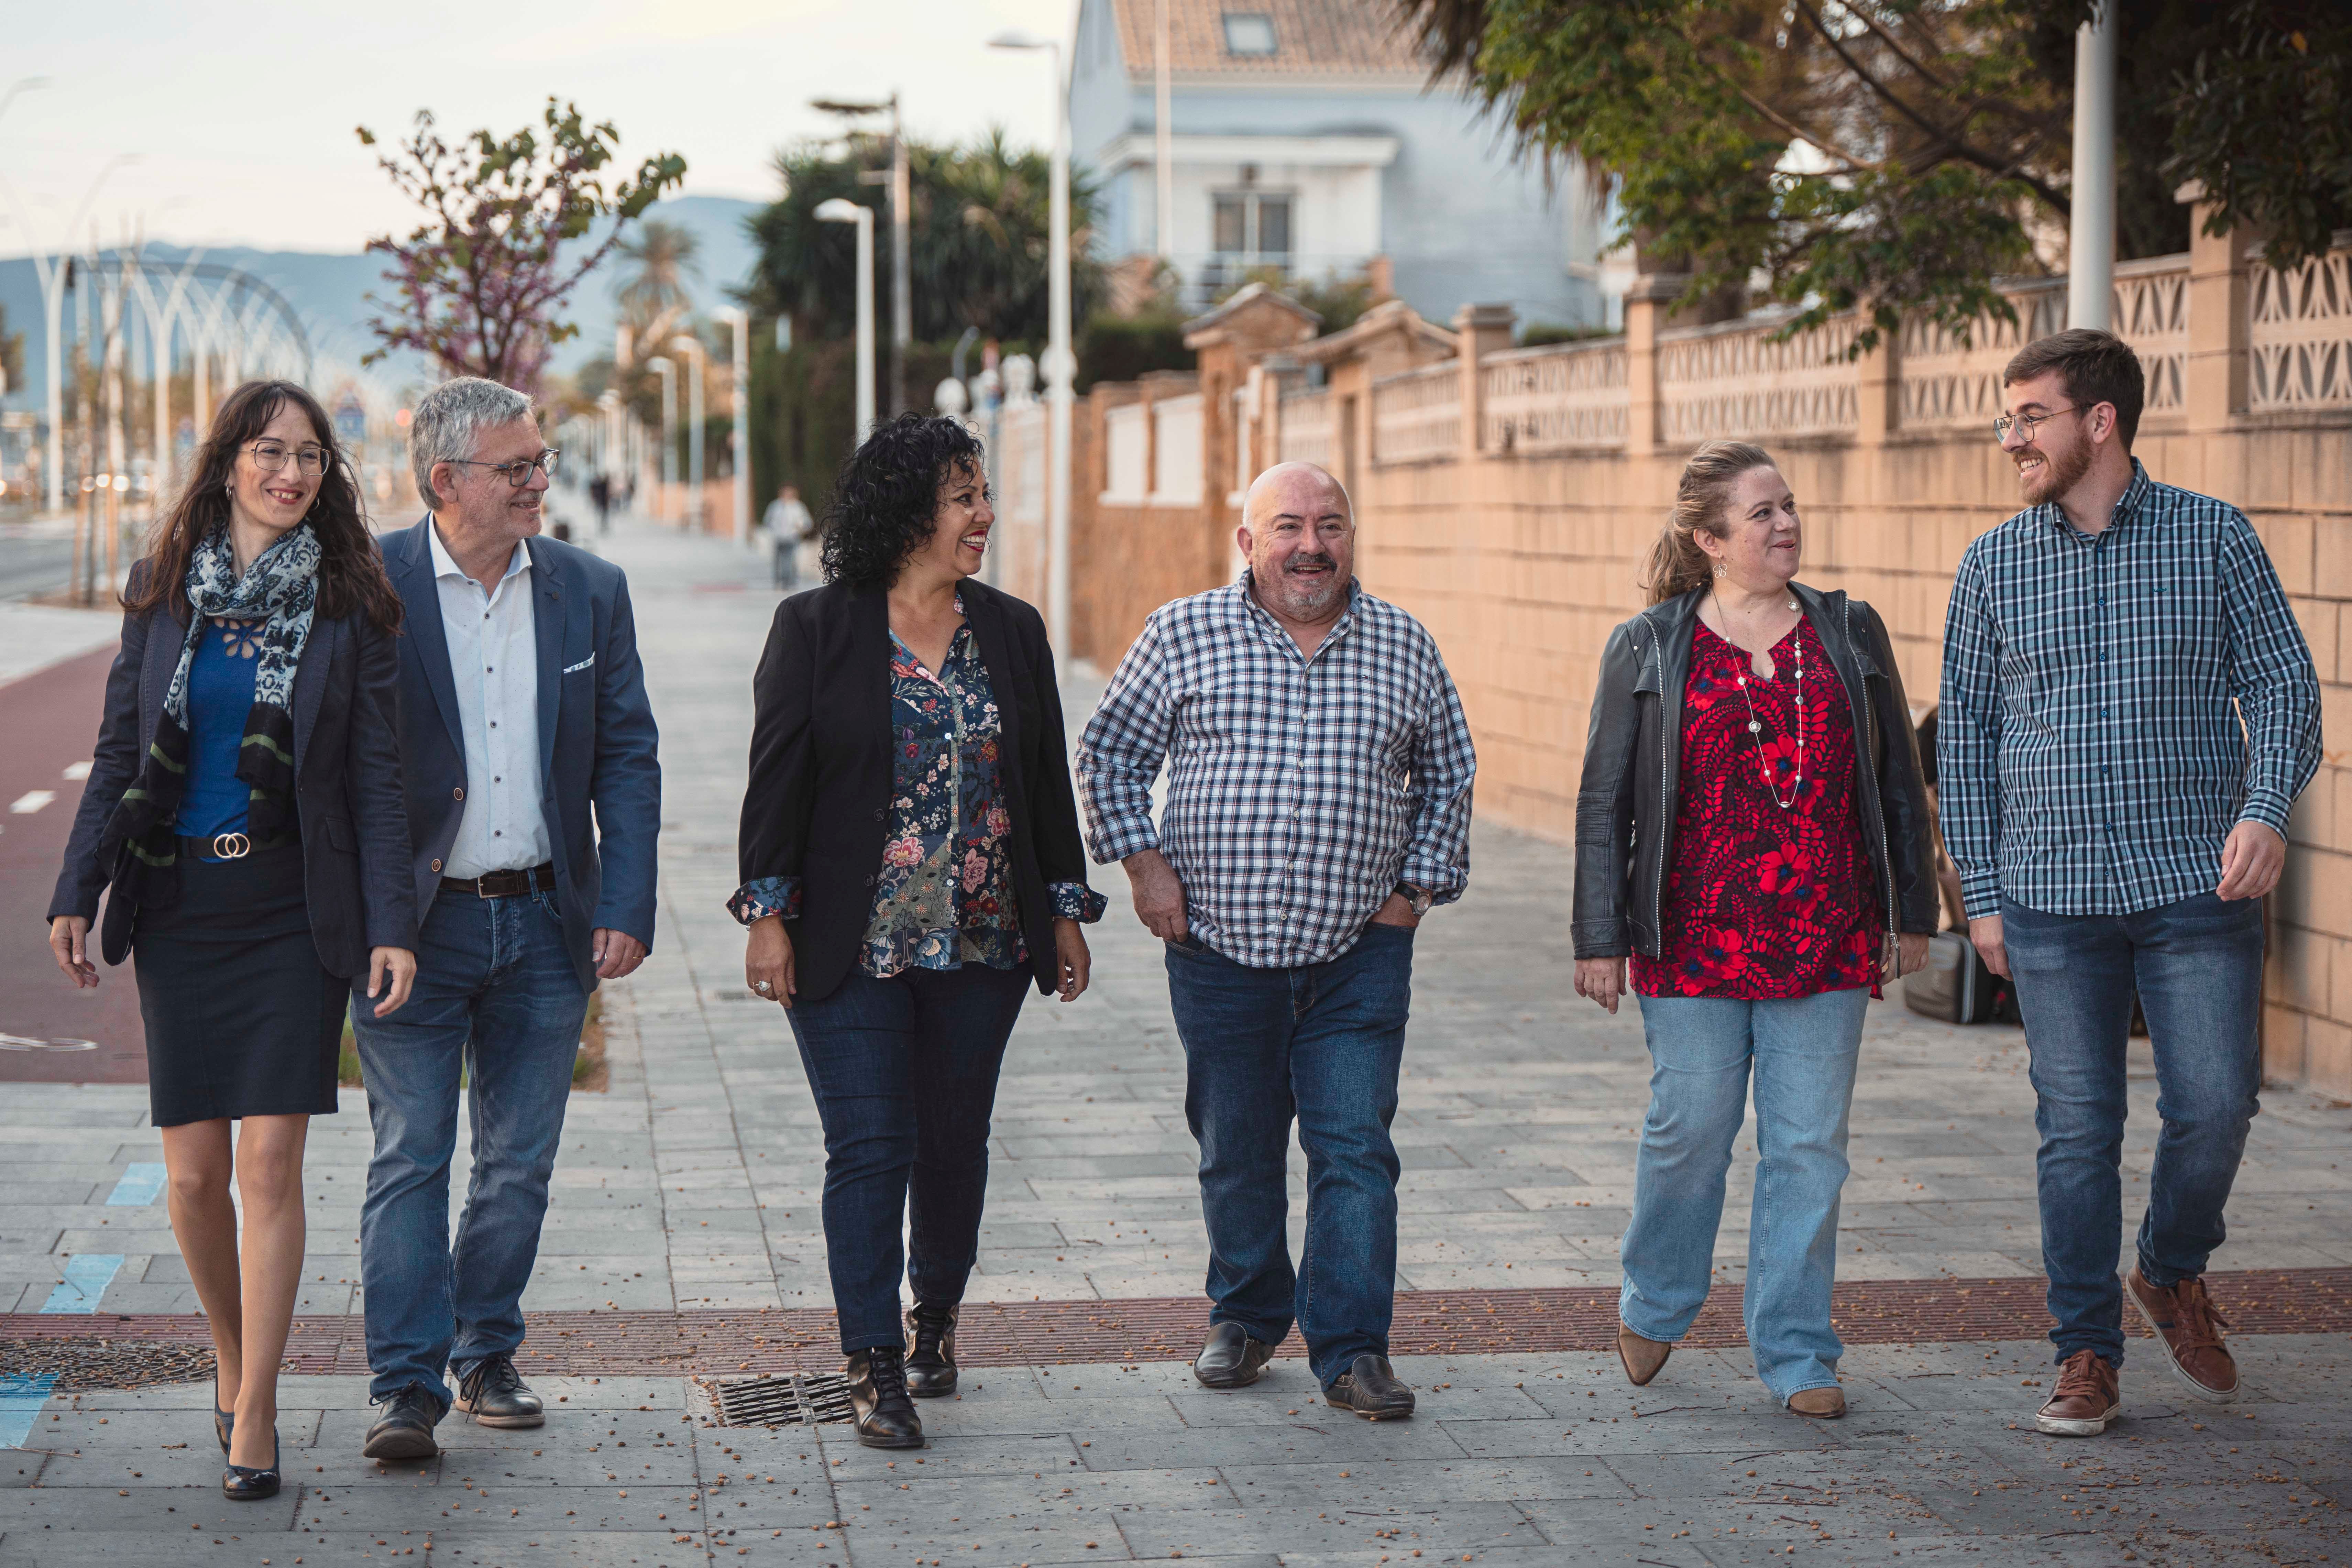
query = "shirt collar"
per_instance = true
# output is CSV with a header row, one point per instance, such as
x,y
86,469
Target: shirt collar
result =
x,y
445,565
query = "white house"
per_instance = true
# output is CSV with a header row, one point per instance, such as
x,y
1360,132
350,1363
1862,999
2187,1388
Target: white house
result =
x,y
1305,137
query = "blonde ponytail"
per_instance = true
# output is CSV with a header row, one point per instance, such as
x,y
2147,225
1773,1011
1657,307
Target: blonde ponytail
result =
x,y
1702,496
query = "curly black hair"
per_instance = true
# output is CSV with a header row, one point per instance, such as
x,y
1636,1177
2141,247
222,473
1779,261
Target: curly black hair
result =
x,y
887,493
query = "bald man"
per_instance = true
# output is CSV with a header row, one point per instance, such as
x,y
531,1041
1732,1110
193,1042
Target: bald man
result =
x,y
1318,806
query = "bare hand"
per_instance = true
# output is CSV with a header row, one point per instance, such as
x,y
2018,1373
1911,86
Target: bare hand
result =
x,y
2252,857
70,940
1910,955
392,971
1396,912
1075,966
1985,933
768,960
1603,979
1158,894
616,952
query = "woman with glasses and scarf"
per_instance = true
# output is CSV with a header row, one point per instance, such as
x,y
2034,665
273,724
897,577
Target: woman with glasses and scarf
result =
x,y
1752,831
243,814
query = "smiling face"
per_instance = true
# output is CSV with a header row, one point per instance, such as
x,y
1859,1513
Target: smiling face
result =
x,y
1761,539
960,524
275,502
485,507
2066,439
1300,539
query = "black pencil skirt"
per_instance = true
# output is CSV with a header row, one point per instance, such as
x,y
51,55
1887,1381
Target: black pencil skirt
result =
x,y
242,1019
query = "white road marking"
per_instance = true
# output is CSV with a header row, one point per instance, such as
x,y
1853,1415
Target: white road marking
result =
x,y
31,800
77,770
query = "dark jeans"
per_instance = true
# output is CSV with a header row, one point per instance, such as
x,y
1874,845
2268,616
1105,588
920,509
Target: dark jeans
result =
x,y
1320,1044
903,1072
495,994
2197,966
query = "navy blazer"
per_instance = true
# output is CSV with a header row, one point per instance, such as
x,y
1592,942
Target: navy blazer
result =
x,y
346,755
599,773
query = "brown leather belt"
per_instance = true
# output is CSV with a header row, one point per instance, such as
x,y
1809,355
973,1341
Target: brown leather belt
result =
x,y
504,884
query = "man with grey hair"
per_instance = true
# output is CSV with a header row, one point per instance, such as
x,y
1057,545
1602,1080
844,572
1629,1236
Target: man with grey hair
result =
x,y
1319,804
534,798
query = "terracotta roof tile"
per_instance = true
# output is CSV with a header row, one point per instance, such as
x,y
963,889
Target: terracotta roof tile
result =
x,y
1334,38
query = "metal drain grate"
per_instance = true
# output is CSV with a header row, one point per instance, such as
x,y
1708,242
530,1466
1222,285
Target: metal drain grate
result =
x,y
797,1398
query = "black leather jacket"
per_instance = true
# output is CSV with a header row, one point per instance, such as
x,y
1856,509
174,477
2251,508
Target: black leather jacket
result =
x,y
1625,806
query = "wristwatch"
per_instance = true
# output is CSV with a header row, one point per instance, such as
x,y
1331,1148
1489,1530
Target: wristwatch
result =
x,y
1419,897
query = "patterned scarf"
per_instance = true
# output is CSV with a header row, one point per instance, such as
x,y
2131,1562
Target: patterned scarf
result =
x,y
283,586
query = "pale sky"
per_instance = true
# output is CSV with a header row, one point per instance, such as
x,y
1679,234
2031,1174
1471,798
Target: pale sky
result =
x,y
241,116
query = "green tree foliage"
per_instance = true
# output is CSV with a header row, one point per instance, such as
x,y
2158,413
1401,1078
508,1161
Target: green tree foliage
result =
x,y
657,260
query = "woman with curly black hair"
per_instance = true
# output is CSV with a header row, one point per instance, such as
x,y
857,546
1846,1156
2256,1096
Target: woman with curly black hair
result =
x,y
910,861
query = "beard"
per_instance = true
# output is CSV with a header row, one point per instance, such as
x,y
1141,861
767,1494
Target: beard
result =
x,y
2059,473
1302,595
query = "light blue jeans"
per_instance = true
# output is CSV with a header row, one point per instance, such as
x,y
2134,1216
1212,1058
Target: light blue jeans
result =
x,y
1805,1050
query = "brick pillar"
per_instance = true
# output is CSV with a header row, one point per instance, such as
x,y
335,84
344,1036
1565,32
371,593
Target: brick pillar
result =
x,y
1478,330
1879,409
1646,305
2218,266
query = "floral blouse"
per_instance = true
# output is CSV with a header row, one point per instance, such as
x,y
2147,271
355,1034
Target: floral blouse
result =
x,y
945,896
1761,901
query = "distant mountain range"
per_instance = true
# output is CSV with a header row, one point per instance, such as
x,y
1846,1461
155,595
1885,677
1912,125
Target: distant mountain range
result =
x,y
331,291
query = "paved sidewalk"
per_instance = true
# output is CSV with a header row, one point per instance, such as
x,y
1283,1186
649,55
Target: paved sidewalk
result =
x,y
691,1184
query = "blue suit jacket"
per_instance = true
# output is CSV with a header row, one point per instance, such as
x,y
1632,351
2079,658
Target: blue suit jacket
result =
x,y
597,745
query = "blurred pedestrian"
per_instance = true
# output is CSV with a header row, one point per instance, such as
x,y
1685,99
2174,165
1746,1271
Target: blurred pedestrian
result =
x,y
600,492
243,808
2128,713
534,792
1318,805
1752,830
912,864
786,525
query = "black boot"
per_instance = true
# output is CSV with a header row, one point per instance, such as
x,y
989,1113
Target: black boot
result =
x,y
878,1392
931,1369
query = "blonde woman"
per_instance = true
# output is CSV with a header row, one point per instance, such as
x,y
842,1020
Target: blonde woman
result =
x,y
1753,834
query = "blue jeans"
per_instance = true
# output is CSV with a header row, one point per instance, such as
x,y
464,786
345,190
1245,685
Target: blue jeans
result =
x,y
495,995
2197,966
1804,1049
1320,1044
903,1072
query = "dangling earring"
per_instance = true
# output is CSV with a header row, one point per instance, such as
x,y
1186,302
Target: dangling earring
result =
x,y
1718,568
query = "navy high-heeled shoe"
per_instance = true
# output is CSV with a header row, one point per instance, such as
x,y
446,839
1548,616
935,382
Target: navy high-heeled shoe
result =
x,y
224,1422
243,1483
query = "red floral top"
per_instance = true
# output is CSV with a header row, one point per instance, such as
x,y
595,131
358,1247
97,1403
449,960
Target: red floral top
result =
x,y
1763,902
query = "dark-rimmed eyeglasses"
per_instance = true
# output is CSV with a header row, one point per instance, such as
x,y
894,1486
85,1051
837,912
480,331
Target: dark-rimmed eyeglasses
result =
x,y
2028,423
270,455
517,473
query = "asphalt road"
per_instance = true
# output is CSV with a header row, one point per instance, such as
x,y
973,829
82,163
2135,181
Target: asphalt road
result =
x,y
33,564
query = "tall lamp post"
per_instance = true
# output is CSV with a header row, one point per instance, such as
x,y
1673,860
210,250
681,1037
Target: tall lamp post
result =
x,y
663,366
1060,364
2091,229
840,209
739,401
690,347
52,272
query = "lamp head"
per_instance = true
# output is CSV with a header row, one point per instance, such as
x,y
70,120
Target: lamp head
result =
x,y
839,209
1019,38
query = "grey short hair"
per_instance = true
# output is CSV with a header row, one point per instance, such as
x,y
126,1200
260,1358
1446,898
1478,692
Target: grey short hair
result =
x,y
449,420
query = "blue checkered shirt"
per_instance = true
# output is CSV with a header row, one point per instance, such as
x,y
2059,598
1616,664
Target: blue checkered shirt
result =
x,y
1300,791
2113,704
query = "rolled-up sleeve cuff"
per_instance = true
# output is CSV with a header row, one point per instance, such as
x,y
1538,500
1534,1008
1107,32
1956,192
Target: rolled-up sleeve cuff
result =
x,y
1118,839
1444,882
1077,901
756,900
1980,895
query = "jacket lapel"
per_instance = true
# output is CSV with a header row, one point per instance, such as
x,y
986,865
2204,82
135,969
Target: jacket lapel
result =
x,y
548,603
986,615
311,683
410,559
869,654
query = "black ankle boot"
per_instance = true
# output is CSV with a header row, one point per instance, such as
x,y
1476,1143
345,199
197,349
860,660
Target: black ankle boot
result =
x,y
931,1369
878,1392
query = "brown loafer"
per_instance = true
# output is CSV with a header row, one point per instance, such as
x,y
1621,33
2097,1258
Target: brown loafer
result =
x,y
2189,1326
1642,1358
1820,1403
2085,1400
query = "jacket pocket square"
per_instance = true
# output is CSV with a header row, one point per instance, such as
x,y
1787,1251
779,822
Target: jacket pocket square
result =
x,y
571,669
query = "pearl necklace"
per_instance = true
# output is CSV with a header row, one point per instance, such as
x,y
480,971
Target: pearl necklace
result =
x,y
1755,725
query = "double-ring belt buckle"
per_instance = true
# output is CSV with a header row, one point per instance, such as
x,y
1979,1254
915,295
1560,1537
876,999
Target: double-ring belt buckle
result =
x,y
231,846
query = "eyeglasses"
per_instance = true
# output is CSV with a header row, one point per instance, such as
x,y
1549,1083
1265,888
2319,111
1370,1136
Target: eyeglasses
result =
x,y
2029,422
517,473
270,455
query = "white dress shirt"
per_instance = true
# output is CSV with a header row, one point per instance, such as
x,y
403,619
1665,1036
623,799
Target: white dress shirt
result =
x,y
494,663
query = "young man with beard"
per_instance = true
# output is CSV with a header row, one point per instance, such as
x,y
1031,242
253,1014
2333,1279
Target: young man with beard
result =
x,y
1318,805
2130,712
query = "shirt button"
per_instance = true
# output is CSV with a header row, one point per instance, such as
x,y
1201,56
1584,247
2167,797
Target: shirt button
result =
x,y
436,865
2103,712
458,794
878,814
2103,769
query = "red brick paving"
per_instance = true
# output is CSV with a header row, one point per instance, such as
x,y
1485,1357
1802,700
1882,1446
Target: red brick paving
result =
x,y
1874,1311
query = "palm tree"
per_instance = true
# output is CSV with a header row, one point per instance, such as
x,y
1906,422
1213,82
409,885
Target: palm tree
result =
x,y
653,295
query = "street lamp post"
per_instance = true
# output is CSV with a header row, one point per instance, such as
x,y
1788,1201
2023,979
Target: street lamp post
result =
x,y
52,272
668,370
691,347
1060,364
839,209
740,400
2091,237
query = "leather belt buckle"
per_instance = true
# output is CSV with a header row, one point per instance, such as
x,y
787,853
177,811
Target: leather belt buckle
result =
x,y
231,846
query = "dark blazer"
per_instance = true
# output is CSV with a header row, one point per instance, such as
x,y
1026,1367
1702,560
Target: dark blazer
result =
x,y
599,768
1633,768
346,758
819,799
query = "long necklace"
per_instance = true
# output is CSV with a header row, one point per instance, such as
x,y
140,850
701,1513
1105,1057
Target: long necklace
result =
x,y
1756,726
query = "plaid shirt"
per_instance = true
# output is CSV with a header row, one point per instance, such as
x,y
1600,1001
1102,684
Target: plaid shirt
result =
x,y
1300,791
2113,704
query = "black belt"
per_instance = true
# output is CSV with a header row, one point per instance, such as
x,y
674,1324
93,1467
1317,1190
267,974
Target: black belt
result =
x,y
504,884
232,845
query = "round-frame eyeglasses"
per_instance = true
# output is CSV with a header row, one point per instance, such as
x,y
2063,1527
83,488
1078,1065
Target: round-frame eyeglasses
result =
x,y
2028,422
269,457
